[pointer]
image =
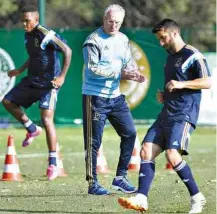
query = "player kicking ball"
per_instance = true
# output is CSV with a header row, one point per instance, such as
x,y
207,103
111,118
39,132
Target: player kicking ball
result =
x,y
186,73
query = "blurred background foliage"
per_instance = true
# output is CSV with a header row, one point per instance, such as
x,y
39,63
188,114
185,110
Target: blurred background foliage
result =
x,y
197,18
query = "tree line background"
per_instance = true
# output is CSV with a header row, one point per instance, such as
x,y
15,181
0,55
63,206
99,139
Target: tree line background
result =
x,y
197,18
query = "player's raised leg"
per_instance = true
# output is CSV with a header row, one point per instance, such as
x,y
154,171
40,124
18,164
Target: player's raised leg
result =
x,y
13,100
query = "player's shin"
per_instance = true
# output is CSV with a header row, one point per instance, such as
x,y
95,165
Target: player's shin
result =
x,y
146,176
184,172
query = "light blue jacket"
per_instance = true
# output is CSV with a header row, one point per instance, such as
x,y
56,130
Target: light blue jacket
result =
x,y
105,56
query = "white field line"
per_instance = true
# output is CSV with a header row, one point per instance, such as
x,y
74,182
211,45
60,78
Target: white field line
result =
x,y
69,154
35,155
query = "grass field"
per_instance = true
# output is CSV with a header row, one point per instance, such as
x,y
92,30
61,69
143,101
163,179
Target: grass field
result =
x,y
69,195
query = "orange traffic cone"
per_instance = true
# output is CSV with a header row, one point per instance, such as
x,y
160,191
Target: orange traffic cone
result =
x,y
60,168
11,171
135,158
168,166
101,166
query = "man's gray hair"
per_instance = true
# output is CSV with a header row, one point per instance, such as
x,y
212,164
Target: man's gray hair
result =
x,y
116,8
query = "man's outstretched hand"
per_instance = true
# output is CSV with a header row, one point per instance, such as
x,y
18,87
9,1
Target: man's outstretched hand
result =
x,y
14,73
134,75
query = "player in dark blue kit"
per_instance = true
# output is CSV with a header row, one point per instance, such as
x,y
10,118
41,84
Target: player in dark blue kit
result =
x,y
45,77
186,73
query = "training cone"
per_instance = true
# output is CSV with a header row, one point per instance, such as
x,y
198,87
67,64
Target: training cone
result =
x,y
60,168
101,166
11,171
168,166
135,158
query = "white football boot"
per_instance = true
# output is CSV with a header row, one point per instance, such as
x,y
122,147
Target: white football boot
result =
x,y
138,203
197,203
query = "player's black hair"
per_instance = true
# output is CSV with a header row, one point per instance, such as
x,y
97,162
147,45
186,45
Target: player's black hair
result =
x,y
29,8
166,24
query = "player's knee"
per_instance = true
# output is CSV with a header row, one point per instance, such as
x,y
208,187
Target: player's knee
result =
x,y
5,102
145,152
170,153
46,121
173,156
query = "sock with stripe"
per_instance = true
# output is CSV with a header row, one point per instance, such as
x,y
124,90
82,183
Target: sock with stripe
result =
x,y
30,126
184,172
52,158
146,176
118,178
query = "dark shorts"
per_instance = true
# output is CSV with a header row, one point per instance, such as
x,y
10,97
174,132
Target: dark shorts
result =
x,y
170,135
23,94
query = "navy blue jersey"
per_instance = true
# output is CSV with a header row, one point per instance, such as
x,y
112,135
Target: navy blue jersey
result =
x,y
183,104
43,46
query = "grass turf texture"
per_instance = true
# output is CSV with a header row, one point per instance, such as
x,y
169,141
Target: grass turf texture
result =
x,y
69,195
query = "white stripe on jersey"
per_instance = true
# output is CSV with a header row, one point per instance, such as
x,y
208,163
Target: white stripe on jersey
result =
x,y
204,70
47,39
187,64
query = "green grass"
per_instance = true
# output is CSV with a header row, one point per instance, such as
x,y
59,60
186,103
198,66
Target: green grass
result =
x,y
69,195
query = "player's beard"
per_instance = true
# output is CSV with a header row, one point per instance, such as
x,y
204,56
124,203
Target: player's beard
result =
x,y
170,46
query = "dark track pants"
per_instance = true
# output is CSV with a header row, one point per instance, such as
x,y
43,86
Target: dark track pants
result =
x,y
96,110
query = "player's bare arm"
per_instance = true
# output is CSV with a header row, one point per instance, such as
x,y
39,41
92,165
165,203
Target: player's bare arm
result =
x,y
200,83
67,54
17,72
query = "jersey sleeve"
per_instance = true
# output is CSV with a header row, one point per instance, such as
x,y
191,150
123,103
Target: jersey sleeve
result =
x,y
92,61
57,42
129,62
197,63
49,39
201,69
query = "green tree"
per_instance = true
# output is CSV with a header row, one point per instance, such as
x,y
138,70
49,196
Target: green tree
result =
x,y
197,18
7,7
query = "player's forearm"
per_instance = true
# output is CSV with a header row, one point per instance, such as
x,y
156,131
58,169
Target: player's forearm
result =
x,y
67,52
101,71
91,58
201,83
24,66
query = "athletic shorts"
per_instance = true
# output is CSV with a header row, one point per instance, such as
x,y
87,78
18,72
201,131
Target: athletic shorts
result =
x,y
23,94
170,135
